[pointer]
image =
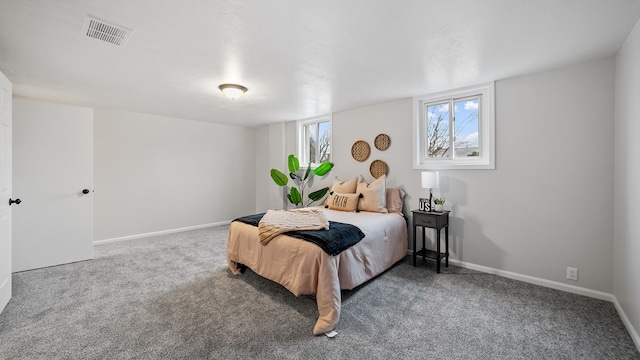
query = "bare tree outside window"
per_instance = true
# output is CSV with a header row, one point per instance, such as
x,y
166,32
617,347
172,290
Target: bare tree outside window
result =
x,y
452,129
318,136
455,129
312,134
324,146
312,150
438,143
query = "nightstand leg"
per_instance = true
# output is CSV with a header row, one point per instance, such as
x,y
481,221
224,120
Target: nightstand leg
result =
x,y
446,244
438,251
424,245
415,251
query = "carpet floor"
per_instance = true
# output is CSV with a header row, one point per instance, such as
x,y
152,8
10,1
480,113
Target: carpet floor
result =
x,y
172,297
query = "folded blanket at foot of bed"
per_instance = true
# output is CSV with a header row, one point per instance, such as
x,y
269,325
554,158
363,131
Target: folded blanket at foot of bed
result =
x,y
337,238
276,222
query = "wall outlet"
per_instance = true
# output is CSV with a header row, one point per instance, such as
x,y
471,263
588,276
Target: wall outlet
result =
x,y
572,273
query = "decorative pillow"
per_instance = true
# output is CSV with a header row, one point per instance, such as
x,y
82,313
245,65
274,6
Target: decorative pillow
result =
x,y
343,187
395,200
342,202
374,195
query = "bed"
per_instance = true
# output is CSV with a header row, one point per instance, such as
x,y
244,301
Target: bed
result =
x,y
305,269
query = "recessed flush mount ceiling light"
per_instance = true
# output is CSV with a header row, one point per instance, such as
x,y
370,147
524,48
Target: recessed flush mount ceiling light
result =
x,y
232,91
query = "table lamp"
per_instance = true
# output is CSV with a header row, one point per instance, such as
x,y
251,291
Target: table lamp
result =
x,y
430,180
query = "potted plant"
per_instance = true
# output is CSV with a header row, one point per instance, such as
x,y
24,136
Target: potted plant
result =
x,y
295,193
439,204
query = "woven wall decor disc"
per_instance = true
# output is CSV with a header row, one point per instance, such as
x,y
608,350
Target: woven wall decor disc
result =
x,y
382,142
378,168
360,150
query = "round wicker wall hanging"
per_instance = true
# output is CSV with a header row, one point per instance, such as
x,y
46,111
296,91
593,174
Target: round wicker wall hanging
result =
x,y
382,142
360,150
378,168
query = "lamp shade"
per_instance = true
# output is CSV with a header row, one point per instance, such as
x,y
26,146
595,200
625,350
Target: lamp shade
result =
x,y
430,180
232,91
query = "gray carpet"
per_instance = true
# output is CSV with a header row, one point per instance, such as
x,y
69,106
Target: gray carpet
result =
x,y
171,297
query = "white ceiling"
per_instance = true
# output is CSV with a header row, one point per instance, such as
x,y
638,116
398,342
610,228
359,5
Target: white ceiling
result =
x,y
299,58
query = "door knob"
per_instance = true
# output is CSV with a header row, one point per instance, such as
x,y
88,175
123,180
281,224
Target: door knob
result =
x,y
17,201
85,191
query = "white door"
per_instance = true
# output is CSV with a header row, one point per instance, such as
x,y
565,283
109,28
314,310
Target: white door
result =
x,y
52,165
5,191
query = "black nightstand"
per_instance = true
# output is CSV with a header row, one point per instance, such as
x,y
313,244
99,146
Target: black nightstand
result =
x,y
432,220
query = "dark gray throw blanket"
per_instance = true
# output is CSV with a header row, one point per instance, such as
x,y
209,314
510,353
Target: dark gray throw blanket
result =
x,y
339,237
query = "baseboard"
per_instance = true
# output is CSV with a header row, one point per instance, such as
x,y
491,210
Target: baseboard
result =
x,y
535,280
627,323
532,280
163,232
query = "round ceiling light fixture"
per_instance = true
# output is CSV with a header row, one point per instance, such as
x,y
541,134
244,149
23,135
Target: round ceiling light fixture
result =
x,y
232,91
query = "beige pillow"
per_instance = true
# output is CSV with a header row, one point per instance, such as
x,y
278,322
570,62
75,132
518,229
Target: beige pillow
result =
x,y
343,187
342,202
395,200
374,195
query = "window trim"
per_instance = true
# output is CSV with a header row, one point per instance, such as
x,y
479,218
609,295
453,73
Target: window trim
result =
x,y
486,128
300,124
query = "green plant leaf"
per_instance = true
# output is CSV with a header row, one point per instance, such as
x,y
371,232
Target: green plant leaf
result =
x,y
306,174
278,177
295,197
294,164
296,191
323,168
318,194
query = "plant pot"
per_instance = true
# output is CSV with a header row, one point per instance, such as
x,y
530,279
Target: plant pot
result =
x,y
439,208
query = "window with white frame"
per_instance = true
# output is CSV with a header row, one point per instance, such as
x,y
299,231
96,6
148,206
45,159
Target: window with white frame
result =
x,y
314,141
455,129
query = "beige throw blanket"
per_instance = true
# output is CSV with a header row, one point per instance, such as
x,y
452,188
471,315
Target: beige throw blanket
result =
x,y
277,222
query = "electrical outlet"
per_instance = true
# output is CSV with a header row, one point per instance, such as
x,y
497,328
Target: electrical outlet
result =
x,y
572,273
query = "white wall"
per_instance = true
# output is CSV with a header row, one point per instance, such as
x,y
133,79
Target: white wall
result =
x,y
548,203
262,169
626,286
270,154
155,173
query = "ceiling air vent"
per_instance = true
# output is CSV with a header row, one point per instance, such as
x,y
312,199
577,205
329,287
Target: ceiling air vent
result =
x,y
105,31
